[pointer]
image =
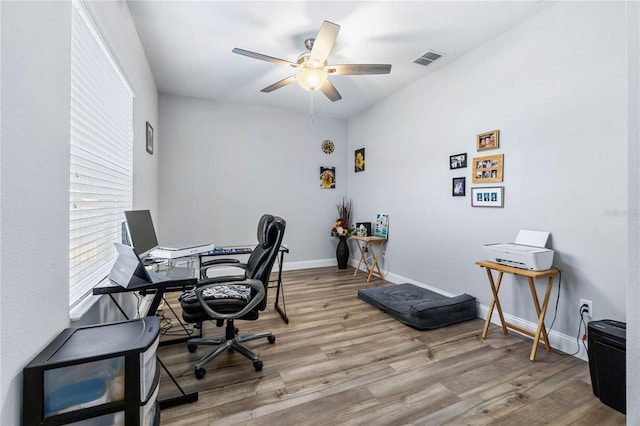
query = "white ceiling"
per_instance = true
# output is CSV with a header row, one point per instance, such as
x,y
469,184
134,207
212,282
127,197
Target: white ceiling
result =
x,y
188,44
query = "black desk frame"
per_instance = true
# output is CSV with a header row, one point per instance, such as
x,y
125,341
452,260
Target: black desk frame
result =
x,y
158,290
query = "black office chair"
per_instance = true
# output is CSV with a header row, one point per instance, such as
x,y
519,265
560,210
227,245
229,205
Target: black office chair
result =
x,y
234,297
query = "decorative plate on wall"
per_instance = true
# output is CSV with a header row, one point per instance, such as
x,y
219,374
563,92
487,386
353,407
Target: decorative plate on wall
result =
x,y
327,146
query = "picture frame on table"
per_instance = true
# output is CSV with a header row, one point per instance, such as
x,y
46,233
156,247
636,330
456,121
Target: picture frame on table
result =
x,y
488,140
458,187
458,161
487,196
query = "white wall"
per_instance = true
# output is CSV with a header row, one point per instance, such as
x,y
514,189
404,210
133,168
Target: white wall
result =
x,y
633,287
34,187
561,111
224,165
34,172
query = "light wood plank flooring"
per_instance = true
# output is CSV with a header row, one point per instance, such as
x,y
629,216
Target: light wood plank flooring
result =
x,y
341,362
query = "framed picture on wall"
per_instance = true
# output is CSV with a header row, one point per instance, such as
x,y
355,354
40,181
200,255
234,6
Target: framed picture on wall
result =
x,y
487,169
458,187
488,196
458,161
488,140
327,177
149,138
359,160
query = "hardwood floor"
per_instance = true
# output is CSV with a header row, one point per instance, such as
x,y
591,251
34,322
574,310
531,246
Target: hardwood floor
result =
x,y
341,361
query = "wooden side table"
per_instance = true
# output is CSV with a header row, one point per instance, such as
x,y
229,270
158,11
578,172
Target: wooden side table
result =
x,y
541,332
369,243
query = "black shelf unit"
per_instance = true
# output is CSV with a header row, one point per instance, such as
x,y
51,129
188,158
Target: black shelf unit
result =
x,y
95,375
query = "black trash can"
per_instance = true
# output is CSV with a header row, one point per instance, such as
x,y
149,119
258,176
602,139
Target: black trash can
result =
x,y
607,362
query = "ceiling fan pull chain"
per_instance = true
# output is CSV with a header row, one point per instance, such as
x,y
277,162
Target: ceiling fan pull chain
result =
x,y
311,105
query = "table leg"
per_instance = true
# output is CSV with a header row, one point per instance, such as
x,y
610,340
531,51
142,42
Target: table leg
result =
x,y
362,257
541,331
495,302
375,265
376,257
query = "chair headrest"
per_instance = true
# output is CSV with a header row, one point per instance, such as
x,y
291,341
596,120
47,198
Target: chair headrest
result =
x,y
263,230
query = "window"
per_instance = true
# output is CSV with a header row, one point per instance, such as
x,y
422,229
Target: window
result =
x,y
101,156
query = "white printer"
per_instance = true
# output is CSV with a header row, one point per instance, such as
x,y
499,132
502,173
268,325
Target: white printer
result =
x,y
528,251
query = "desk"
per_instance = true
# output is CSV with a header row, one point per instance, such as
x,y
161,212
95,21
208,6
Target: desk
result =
x,y
238,250
369,243
541,331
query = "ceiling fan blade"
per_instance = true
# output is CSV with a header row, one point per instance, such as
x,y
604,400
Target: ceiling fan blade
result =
x,y
358,69
264,57
330,91
279,84
324,41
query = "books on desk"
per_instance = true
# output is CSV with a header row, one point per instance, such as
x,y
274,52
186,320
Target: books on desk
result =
x,y
174,253
219,251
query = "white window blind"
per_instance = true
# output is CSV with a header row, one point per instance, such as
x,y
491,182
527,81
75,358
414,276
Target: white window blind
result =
x,y
101,156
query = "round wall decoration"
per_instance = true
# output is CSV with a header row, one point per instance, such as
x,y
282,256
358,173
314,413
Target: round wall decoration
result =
x,y
327,146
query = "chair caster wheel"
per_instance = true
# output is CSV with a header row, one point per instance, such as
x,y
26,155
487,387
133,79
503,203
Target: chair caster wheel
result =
x,y
257,365
200,372
271,339
192,348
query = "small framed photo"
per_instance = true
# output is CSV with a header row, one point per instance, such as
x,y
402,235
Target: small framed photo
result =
x,y
149,138
488,140
488,169
488,196
458,161
327,177
359,160
458,188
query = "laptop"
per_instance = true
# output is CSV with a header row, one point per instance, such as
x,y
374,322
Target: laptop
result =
x,y
141,233
129,271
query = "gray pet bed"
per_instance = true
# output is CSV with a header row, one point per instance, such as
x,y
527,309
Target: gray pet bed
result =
x,y
418,307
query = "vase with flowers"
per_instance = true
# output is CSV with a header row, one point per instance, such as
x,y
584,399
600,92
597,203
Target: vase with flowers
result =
x,y
342,229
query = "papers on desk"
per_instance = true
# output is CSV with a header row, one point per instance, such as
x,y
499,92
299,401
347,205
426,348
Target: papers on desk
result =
x,y
175,253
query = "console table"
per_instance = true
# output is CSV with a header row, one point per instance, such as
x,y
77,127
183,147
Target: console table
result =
x,y
541,332
368,244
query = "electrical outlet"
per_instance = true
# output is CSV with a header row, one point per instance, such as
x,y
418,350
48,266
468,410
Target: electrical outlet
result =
x,y
589,308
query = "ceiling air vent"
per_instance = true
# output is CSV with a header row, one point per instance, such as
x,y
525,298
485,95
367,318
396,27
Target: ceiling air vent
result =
x,y
428,58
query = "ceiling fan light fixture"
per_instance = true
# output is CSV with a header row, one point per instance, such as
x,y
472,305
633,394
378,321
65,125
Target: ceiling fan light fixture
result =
x,y
311,78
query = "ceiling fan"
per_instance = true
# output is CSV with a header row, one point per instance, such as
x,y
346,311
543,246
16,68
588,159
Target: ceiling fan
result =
x,y
312,65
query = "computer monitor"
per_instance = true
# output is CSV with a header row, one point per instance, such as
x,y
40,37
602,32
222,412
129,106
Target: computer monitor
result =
x,y
142,234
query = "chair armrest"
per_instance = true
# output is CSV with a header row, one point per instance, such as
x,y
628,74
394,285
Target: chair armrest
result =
x,y
204,266
255,300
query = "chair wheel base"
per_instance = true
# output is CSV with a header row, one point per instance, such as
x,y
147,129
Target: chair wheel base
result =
x,y
257,365
200,372
271,339
192,348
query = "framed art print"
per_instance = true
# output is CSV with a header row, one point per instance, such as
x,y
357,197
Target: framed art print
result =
x,y
359,160
489,196
458,187
488,169
149,138
327,177
381,229
488,140
458,161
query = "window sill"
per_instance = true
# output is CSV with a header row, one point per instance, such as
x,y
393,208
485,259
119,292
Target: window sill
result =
x,y
81,308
